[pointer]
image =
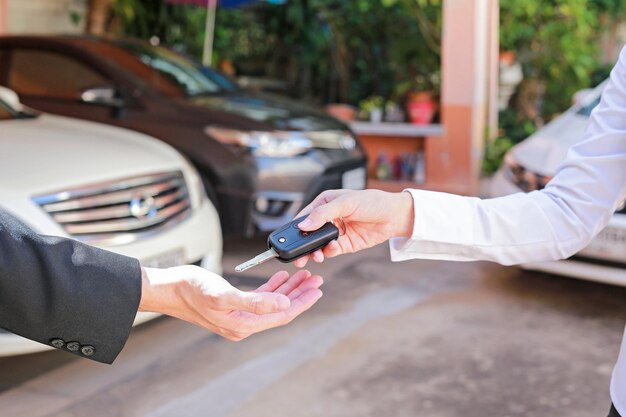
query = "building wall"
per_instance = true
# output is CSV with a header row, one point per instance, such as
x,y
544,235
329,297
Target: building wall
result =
x,y
3,16
43,16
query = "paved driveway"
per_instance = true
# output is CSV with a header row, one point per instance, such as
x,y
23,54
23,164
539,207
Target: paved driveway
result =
x,y
419,338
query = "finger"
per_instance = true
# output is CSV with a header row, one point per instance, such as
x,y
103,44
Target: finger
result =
x,y
323,214
323,198
293,282
318,256
306,210
312,282
332,249
274,282
301,262
301,304
256,302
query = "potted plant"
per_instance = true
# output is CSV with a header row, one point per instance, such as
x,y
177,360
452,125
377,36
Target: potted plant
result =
x,y
510,76
372,109
341,111
421,103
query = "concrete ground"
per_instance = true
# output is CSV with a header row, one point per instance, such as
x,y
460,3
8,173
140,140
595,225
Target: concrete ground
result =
x,y
418,338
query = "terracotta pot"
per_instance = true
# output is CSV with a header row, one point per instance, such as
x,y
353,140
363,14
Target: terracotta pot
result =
x,y
421,107
342,112
420,96
507,58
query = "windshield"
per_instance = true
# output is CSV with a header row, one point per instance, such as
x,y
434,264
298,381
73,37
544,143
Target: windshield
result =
x,y
172,73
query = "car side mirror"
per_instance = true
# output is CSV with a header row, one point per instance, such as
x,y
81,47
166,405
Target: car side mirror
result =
x,y
11,98
106,96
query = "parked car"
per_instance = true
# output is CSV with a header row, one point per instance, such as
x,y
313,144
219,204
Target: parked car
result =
x,y
106,186
531,164
261,157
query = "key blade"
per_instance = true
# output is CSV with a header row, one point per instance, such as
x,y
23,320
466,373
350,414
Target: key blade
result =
x,y
257,260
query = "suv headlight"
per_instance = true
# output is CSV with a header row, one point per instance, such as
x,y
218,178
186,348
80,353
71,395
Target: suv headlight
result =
x,y
282,143
273,144
523,178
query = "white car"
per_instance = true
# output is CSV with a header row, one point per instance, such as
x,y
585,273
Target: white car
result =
x,y
531,164
106,186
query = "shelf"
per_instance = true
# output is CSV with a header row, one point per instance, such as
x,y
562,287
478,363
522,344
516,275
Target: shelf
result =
x,y
396,129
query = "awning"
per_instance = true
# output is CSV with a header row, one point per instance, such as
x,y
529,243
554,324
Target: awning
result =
x,y
229,4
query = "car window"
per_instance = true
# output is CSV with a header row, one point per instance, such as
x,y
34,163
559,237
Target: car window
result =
x,y
50,74
586,110
168,70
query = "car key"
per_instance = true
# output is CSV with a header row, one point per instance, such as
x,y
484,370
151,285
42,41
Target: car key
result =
x,y
289,243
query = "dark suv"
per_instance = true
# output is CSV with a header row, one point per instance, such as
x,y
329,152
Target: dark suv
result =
x,y
261,157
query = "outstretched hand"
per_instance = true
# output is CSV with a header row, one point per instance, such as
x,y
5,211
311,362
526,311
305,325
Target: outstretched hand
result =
x,y
368,217
203,298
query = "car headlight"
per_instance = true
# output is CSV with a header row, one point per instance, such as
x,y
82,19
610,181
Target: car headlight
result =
x,y
524,179
282,143
273,144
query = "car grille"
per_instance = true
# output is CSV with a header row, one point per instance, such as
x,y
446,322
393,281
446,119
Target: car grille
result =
x,y
121,211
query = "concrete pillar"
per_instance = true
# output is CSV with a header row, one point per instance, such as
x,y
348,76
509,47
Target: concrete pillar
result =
x,y
469,87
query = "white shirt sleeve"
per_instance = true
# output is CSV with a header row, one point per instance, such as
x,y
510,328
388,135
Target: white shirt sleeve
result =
x,y
550,224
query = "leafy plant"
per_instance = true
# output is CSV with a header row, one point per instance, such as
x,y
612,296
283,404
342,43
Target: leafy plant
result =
x,y
326,50
557,43
494,153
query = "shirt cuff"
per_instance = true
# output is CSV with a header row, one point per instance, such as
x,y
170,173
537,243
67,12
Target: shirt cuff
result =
x,y
432,237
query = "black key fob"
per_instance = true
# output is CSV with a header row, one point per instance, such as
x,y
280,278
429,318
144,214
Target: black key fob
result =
x,y
291,243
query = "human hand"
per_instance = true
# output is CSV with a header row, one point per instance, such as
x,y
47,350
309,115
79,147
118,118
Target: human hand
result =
x,y
369,217
203,298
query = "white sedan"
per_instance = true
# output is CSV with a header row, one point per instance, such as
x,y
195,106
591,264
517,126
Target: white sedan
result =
x,y
531,164
106,186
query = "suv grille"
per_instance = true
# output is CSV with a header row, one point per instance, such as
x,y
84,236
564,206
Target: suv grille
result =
x,y
121,211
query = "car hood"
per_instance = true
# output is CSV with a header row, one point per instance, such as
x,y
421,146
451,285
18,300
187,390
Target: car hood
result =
x,y
547,148
49,153
276,112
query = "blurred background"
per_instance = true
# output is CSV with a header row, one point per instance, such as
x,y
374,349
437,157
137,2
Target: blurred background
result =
x,y
183,131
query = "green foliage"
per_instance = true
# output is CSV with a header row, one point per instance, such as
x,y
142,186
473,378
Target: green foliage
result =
x,y
557,42
326,50
514,127
494,152
176,25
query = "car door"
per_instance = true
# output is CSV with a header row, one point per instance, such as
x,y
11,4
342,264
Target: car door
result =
x,y
57,82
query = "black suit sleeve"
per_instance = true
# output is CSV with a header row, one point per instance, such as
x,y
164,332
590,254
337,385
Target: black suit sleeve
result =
x,y
63,293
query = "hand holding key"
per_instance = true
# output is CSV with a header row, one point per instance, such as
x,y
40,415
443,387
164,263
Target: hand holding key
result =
x,y
369,217
289,243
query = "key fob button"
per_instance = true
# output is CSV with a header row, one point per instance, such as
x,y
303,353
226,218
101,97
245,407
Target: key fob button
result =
x,y
282,239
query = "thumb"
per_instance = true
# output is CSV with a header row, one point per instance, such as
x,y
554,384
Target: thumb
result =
x,y
323,214
260,302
